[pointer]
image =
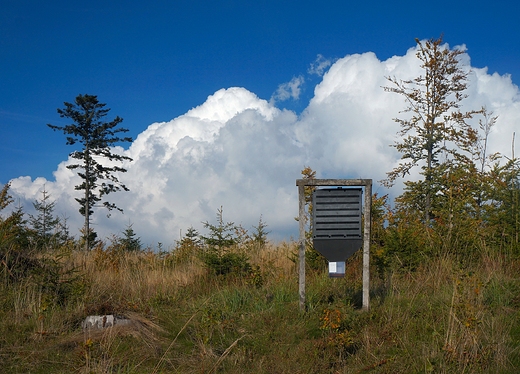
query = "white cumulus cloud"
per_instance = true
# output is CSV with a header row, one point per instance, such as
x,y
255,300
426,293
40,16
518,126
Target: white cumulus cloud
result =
x,y
243,153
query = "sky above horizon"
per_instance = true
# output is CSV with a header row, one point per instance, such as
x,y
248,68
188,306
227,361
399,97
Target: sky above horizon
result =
x,y
216,92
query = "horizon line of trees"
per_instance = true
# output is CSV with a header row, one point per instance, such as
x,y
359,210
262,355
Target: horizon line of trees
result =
x,y
464,200
33,246
46,230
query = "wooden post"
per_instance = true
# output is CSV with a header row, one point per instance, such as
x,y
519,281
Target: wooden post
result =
x,y
301,221
366,245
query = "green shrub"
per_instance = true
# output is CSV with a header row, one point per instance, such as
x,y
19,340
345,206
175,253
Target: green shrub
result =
x,y
221,253
226,263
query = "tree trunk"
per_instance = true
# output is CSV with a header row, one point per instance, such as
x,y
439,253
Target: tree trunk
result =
x,y
87,194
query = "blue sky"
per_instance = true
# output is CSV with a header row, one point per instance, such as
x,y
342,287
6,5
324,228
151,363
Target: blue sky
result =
x,y
224,100
153,61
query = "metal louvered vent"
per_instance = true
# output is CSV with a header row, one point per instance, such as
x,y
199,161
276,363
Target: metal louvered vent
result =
x,y
337,222
337,213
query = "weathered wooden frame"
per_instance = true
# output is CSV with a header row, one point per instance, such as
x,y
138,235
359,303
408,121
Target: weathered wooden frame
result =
x,y
367,183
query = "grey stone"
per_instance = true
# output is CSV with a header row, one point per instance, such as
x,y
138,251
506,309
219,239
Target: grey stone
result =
x,y
102,322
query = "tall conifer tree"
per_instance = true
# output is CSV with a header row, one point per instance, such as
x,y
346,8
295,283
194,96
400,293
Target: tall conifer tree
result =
x,y
96,159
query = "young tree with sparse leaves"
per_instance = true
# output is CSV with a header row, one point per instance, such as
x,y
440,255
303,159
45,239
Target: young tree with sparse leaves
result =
x,y
260,233
436,136
467,198
96,159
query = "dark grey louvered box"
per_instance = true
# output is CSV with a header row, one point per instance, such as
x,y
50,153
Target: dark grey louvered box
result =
x,y
337,216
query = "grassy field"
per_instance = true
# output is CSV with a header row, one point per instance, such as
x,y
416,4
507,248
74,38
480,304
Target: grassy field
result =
x,y
440,318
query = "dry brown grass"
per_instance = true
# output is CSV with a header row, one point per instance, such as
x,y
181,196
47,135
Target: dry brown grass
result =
x,y
443,317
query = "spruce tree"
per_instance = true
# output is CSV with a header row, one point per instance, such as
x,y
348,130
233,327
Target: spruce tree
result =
x,y
96,158
44,224
130,241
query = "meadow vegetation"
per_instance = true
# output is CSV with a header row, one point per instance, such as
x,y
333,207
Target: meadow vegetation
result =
x,y
230,305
